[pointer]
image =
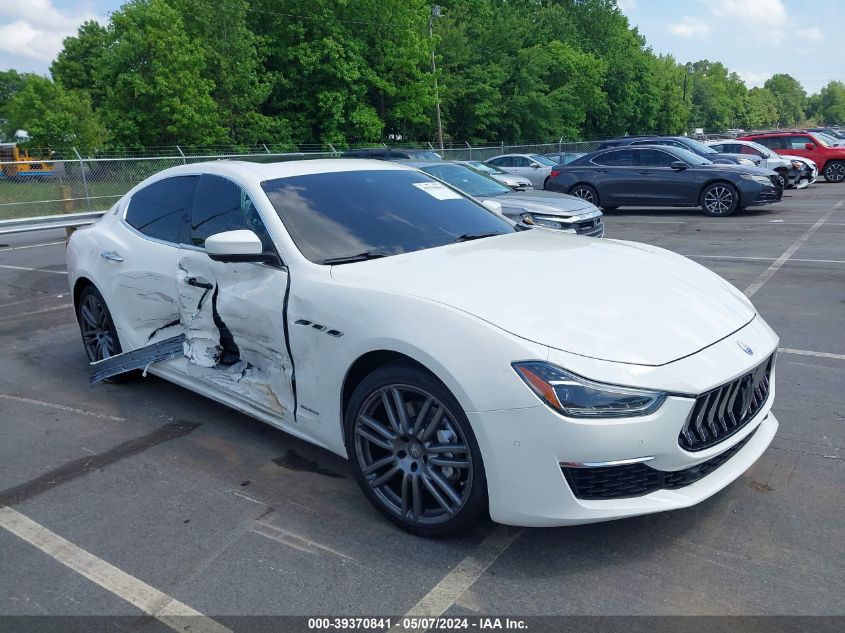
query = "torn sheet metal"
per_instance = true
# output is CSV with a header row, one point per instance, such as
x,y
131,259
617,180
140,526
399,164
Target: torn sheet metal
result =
x,y
137,359
233,318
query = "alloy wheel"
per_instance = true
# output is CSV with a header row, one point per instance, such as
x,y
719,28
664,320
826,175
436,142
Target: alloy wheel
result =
x,y
585,193
413,454
718,200
96,326
835,172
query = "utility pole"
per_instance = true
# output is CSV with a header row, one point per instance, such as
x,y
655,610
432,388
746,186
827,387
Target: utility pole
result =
x,y
435,12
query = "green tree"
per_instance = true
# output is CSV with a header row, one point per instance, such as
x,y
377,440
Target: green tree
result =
x,y
154,91
762,109
831,103
81,54
790,96
55,117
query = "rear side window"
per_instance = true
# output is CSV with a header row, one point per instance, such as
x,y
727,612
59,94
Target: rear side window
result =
x,y
617,158
221,205
655,158
772,142
161,210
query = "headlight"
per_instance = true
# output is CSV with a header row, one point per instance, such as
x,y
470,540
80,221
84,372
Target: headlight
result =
x,y
577,397
763,180
797,165
745,161
546,222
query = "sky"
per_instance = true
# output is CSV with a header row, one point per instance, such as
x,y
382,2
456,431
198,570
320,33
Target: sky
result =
x,y
755,38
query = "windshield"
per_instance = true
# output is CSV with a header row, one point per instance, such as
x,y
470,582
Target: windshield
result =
x,y
698,147
543,160
484,168
424,155
467,180
689,157
390,211
824,140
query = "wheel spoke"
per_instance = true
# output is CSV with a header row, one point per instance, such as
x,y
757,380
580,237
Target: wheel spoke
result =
x,y
406,493
445,487
373,438
448,462
105,346
416,495
88,316
436,494
420,419
378,427
388,409
399,401
447,448
431,427
378,464
384,477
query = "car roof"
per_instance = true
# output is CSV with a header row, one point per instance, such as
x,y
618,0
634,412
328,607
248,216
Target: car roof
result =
x,y
249,173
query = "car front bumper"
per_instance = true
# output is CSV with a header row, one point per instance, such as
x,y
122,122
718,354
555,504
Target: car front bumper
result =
x,y
753,193
528,452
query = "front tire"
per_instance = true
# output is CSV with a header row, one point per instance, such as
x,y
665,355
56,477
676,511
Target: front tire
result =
x,y
413,451
834,171
719,199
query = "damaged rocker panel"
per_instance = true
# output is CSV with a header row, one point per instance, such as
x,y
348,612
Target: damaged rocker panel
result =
x,y
137,359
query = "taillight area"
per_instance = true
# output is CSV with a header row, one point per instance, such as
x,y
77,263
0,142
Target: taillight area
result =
x,y
555,173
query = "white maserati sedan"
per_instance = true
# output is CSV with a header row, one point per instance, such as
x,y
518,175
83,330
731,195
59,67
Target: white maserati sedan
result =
x,y
462,363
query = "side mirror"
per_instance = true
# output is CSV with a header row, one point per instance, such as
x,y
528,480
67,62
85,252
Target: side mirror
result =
x,y
809,146
535,165
236,246
494,206
679,165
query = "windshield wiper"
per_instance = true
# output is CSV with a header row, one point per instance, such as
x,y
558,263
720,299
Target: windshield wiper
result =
x,y
357,257
468,237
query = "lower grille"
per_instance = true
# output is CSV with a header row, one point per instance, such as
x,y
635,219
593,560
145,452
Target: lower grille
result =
x,y
723,411
636,480
593,228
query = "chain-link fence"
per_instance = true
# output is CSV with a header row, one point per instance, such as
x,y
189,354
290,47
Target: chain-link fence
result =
x,y
69,183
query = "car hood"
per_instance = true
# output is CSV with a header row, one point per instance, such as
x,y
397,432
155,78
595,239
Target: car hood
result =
x,y
607,299
802,159
544,202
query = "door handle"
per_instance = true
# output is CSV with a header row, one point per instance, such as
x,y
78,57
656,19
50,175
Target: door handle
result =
x,y
644,171
112,256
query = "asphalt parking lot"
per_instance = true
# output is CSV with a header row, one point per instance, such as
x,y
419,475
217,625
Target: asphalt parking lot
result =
x,y
182,503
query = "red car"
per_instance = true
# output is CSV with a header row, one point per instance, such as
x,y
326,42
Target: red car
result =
x,y
830,160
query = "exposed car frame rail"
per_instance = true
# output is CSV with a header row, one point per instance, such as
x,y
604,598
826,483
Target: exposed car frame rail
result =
x,y
137,359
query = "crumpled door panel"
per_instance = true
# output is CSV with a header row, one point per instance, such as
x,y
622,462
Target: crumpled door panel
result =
x,y
233,319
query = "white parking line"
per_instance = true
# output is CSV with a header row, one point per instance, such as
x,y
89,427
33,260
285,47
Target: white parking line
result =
x,y
789,252
444,594
61,407
804,352
18,248
12,317
768,259
34,270
148,599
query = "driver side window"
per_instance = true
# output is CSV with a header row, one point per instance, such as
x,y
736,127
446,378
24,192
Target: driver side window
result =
x,y
221,205
521,161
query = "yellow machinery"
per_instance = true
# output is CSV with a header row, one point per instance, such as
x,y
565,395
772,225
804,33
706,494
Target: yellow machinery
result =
x,y
15,163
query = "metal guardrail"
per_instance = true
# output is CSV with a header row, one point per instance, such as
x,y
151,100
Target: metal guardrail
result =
x,y
72,220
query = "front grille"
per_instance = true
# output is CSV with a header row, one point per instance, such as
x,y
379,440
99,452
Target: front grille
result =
x,y
723,411
593,228
635,480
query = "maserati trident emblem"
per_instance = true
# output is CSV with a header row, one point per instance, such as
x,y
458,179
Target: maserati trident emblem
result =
x,y
745,348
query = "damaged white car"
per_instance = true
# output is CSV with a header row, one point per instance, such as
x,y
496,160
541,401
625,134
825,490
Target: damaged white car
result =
x,y
461,362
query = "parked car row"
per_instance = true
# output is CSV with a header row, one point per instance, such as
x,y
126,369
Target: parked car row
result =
x,y
826,151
